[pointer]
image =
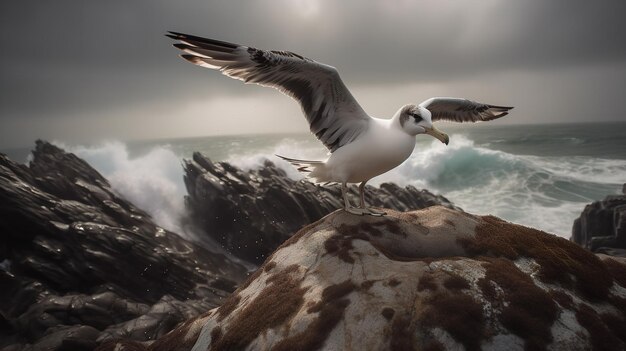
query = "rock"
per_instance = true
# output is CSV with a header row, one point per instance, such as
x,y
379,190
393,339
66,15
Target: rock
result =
x,y
74,338
80,265
611,251
434,279
251,213
601,226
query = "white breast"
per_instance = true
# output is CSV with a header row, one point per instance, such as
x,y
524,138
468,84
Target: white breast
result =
x,y
381,149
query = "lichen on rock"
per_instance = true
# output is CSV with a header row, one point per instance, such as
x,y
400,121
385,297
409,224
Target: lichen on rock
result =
x,y
433,279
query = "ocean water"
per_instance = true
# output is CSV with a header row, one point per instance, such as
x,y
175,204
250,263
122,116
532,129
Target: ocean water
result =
x,y
537,175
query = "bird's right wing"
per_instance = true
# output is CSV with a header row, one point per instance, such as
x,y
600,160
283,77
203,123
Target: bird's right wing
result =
x,y
462,110
334,116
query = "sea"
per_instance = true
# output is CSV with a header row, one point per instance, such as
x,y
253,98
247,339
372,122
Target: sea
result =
x,y
536,175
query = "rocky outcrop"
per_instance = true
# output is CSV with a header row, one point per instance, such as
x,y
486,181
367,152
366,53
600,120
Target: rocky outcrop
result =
x,y
435,279
80,265
601,226
252,212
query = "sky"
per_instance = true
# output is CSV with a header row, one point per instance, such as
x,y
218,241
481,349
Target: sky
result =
x,y
82,71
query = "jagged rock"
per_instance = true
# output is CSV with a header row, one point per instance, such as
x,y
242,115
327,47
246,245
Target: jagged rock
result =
x,y
251,213
80,265
601,226
435,279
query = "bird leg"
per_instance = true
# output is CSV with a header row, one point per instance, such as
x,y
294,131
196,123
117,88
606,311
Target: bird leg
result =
x,y
370,211
361,210
362,193
347,207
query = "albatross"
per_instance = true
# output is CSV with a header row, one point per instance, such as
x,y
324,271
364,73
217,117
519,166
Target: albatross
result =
x,y
360,146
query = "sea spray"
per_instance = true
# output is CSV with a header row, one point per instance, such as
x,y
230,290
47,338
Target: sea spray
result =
x,y
521,175
289,147
543,192
152,181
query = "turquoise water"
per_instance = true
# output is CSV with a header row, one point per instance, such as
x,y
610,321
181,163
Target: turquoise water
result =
x,y
537,175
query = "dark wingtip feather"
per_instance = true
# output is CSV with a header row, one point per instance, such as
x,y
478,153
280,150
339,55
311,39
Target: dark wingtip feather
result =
x,y
181,46
506,108
174,34
192,58
183,37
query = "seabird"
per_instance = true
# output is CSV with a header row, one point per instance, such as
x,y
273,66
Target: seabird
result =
x,y
361,147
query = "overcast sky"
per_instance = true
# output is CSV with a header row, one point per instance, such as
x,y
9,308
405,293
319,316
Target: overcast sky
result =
x,y
86,70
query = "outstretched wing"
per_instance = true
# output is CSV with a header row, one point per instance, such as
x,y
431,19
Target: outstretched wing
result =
x,y
334,116
462,110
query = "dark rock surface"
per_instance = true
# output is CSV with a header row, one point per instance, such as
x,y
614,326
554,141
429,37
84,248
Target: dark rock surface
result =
x,y
252,212
601,226
80,265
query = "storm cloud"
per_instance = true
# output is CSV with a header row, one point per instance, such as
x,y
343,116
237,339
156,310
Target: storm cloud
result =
x,y
79,70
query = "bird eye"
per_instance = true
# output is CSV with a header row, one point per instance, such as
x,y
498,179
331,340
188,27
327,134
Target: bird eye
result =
x,y
417,117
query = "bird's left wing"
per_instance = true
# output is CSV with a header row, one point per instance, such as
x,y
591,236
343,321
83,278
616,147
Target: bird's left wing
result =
x,y
334,116
462,110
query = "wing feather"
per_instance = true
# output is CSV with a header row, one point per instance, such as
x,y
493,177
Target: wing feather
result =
x,y
463,110
334,116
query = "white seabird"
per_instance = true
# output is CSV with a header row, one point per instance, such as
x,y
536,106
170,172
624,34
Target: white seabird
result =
x,y
361,147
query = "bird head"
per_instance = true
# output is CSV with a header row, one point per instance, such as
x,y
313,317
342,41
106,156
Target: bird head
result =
x,y
416,120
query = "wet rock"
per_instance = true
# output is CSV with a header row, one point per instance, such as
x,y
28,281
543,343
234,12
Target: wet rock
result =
x,y
434,279
159,319
76,337
601,226
80,265
252,212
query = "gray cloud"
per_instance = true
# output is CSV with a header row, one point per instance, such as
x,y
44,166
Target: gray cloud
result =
x,y
84,58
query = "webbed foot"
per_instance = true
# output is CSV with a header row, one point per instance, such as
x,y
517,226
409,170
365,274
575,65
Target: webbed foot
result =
x,y
376,213
364,211
356,211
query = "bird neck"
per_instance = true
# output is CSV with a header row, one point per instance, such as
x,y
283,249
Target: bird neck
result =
x,y
396,121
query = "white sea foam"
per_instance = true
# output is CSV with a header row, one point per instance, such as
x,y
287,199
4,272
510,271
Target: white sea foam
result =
x,y
301,149
547,193
152,181
582,168
543,192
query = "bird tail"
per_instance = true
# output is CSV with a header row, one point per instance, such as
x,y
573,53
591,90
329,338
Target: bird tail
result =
x,y
313,169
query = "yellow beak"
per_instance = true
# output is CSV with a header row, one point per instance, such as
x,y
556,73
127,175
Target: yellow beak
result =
x,y
443,137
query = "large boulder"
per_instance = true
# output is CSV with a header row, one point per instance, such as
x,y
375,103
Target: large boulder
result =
x,y
80,265
434,279
252,212
601,226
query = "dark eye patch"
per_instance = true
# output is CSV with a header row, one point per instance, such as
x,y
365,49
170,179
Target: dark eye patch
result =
x,y
417,117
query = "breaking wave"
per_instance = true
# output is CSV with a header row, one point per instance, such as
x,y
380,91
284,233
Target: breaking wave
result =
x,y
152,181
543,192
